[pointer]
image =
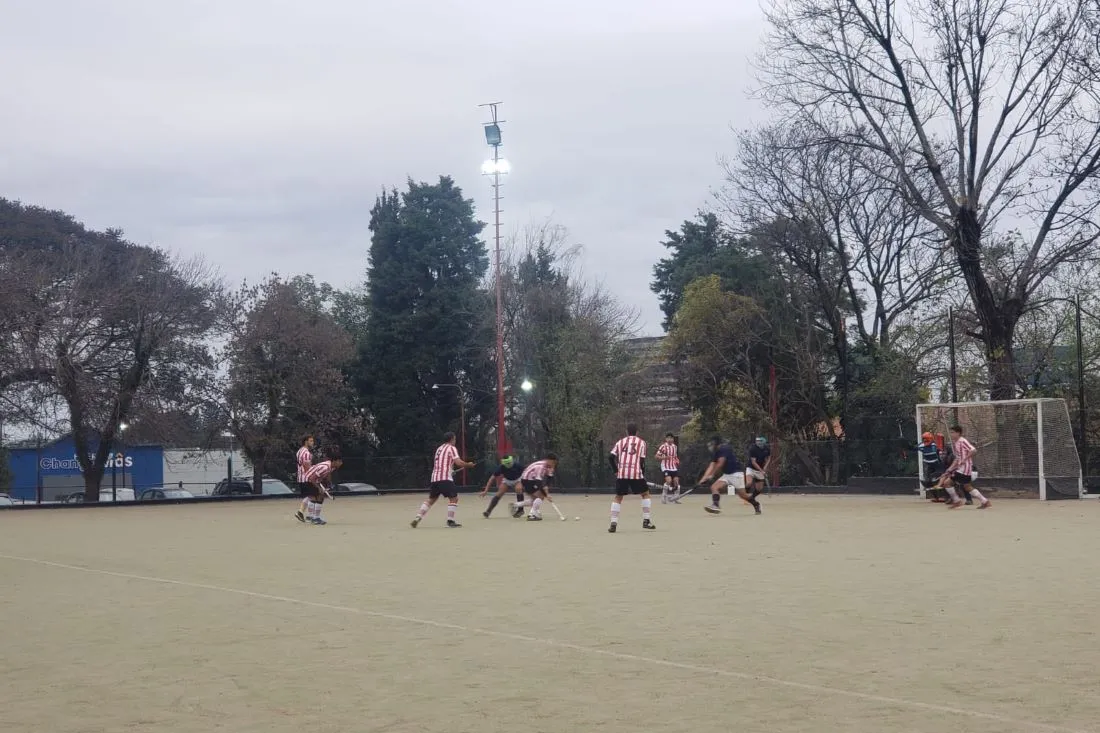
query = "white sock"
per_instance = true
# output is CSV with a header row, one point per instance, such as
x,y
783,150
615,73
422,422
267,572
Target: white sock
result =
x,y
312,510
423,510
646,504
951,492
616,507
977,495
536,507
452,510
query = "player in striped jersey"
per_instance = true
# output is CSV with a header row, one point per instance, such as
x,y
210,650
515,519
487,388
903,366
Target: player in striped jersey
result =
x,y
960,472
536,480
304,459
319,477
628,461
445,463
668,453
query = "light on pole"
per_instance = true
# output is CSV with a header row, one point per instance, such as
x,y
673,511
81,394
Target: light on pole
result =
x,y
461,421
114,465
496,167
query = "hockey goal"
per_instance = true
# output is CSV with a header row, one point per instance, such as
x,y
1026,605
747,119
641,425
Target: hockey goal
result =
x,y
1024,447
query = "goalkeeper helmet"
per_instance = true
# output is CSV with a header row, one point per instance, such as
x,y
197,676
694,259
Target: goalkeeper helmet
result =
x,y
507,461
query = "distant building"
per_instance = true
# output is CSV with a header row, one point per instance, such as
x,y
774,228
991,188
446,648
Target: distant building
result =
x,y
649,392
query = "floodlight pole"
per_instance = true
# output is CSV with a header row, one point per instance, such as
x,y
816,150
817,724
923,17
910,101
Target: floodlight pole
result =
x,y
502,440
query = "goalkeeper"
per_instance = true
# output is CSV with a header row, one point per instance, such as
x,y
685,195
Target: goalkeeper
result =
x,y
933,466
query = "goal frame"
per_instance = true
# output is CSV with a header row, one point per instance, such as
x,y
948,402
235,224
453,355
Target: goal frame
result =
x,y
1038,402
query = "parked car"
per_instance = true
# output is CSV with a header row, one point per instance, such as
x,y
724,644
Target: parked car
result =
x,y
166,493
238,487
6,500
353,486
243,487
275,487
105,496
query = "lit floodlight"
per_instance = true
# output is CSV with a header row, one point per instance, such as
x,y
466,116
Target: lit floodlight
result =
x,y
500,166
526,386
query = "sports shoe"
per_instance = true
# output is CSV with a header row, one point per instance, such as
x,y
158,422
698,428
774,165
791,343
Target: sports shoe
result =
x,y
712,509
985,504
646,524
485,514
414,522
612,528
318,522
452,523
955,504
299,516
517,512
533,518
757,508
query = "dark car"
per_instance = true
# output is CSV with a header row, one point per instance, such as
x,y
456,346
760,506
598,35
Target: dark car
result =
x,y
239,487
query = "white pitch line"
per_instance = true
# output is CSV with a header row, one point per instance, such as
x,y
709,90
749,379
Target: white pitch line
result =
x,y
805,687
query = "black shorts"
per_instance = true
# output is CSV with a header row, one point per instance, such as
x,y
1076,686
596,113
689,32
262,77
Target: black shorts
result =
x,y
307,489
448,489
960,479
624,486
530,486
672,474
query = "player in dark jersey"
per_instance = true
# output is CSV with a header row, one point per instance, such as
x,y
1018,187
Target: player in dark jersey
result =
x,y
932,465
760,456
507,477
725,471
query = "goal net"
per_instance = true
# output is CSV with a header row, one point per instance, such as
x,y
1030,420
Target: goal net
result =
x,y
1024,447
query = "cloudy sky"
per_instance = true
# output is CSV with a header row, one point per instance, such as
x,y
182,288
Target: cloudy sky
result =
x,y
258,132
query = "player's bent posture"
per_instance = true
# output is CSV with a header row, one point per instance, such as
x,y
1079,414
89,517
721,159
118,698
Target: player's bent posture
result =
x,y
960,472
932,465
668,454
319,479
536,480
444,465
628,461
507,477
725,471
760,456
304,458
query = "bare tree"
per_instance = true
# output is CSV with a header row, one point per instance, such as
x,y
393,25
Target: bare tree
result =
x,y
866,253
988,112
284,355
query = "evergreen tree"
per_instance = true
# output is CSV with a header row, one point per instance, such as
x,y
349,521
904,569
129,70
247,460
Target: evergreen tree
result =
x,y
429,320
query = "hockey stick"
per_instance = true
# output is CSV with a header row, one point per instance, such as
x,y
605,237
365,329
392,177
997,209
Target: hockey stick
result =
x,y
556,509
675,497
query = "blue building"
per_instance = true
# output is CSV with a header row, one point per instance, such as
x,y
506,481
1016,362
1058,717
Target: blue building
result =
x,y
54,468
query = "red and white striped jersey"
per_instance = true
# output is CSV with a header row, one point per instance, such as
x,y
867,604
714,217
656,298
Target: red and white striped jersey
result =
x,y
964,452
319,472
305,460
537,471
670,460
444,465
630,451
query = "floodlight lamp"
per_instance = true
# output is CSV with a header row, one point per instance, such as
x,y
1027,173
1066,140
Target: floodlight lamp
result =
x,y
526,386
122,427
491,167
492,134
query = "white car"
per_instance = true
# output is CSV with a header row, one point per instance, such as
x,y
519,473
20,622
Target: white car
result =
x,y
354,486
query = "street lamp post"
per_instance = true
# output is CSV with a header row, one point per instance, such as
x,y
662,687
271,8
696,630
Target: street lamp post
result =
x,y
461,421
527,386
495,167
114,466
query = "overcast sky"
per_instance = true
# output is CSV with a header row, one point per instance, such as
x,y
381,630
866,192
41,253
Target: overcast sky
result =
x,y
258,132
